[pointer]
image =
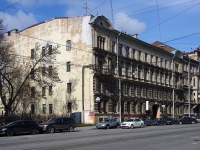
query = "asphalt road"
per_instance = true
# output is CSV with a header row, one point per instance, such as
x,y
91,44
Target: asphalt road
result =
x,y
169,137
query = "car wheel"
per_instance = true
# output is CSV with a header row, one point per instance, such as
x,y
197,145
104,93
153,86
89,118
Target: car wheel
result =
x,y
107,127
180,122
34,131
10,132
132,126
71,129
51,130
118,126
41,132
192,122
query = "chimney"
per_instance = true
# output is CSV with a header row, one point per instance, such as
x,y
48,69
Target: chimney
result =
x,y
135,36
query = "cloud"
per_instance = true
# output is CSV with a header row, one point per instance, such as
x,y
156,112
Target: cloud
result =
x,y
129,25
19,21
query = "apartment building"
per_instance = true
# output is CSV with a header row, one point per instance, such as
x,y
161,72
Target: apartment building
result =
x,y
104,72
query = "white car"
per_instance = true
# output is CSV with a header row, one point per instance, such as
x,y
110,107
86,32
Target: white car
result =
x,y
132,123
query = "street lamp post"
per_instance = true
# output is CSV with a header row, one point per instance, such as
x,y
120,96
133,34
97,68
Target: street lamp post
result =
x,y
173,93
189,86
119,78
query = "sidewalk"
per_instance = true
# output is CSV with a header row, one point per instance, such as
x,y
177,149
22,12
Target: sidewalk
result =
x,y
85,128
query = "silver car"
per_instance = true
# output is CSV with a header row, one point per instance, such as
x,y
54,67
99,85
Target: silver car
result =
x,y
108,123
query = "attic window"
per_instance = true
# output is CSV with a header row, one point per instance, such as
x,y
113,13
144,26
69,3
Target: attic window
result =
x,y
101,23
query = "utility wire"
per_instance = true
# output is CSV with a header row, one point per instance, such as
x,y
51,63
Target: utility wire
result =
x,y
182,37
11,5
98,6
53,42
158,19
154,10
17,16
171,17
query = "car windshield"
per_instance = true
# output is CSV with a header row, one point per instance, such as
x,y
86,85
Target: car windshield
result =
x,y
12,123
129,120
52,120
104,121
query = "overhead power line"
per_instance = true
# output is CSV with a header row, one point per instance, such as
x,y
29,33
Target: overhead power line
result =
x,y
182,37
98,6
171,17
153,10
11,5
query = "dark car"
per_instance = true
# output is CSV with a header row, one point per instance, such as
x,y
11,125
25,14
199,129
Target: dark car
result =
x,y
171,121
58,124
187,120
9,119
19,127
160,121
148,122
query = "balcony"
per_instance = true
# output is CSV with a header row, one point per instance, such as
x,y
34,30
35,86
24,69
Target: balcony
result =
x,y
104,71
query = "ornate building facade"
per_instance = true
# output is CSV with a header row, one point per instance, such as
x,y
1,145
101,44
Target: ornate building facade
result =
x,y
108,73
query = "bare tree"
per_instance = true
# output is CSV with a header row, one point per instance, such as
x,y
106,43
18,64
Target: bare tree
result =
x,y
21,78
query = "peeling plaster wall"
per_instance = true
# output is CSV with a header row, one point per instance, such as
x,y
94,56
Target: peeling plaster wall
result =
x,y
58,31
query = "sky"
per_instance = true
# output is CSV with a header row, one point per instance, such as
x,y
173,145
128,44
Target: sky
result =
x,y
173,22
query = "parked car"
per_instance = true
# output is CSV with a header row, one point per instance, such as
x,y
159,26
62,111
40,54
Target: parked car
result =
x,y
19,127
198,119
148,122
8,120
58,124
132,123
171,121
187,120
160,121
108,123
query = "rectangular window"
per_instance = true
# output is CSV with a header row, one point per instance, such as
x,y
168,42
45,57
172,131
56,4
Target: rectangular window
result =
x,y
113,47
50,108
127,68
69,87
43,51
43,71
161,62
156,61
50,70
68,45
127,51
32,109
32,91
32,53
44,108
32,74
43,91
120,49
68,66
133,71
50,90
139,55
151,61
145,57
50,49
69,107
100,42
165,63
133,53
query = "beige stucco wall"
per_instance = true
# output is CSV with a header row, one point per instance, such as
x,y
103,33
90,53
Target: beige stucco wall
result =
x,y
58,31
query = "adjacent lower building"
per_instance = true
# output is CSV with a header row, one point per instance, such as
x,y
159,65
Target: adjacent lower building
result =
x,y
108,73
